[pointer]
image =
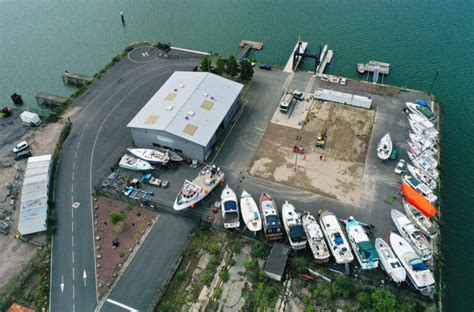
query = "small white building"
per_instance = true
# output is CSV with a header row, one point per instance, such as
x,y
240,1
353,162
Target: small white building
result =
x,y
343,98
186,113
34,195
29,118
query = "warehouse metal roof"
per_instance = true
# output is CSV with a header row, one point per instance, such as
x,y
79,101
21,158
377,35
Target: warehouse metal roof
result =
x,y
34,195
190,105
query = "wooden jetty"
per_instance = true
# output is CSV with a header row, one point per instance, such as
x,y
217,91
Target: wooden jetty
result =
x,y
76,79
246,46
49,100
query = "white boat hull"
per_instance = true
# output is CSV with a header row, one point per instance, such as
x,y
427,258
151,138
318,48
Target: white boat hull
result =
x,y
132,163
149,155
293,226
230,209
390,262
422,176
250,212
384,148
337,241
316,240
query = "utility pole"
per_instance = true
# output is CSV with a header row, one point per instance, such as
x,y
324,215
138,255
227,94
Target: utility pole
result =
x,y
432,83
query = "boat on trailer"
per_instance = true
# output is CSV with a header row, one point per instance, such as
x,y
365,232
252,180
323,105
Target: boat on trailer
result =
x,y
194,191
422,176
250,212
422,111
420,220
337,242
293,226
315,237
149,155
420,187
133,163
384,148
389,262
272,227
230,208
363,248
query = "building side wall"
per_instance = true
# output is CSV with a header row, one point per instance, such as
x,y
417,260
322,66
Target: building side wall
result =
x,y
151,138
364,103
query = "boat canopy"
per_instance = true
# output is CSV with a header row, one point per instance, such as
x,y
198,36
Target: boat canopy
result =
x,y
272,220
230,206
338,239
368,251
418,201
418,265
297,232
421,103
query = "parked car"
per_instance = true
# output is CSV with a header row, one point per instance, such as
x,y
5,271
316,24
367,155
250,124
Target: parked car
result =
x,y
298,95
400,167
20,147
4,227
23,154
265,66
343,81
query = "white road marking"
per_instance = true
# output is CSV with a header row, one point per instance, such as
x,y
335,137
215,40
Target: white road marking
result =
x,y
72,229
84,276
73,292
122,305
73,257
62,283
72,240
73,307
73,273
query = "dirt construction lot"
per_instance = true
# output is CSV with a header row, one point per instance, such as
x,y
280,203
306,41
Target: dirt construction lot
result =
x,y
336,170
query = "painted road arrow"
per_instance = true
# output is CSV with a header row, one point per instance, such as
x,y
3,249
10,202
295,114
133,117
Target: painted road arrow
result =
x,y
84,276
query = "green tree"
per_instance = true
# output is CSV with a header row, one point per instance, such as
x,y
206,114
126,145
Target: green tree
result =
x,y
205,65
246,70
220,66
342,287
300,264
117,217
232,67
363,298
383,301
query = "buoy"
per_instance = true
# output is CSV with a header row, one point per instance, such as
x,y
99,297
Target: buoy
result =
x,y
222,180
206,191
193,206
214,210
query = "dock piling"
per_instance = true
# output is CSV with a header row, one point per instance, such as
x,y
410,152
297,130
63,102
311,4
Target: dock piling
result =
x,y
122,17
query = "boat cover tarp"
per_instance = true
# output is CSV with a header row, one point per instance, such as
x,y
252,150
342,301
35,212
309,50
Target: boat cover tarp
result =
x,y
418,265
338,239
421,103
418,201
368,250
230,205
297,232
272,220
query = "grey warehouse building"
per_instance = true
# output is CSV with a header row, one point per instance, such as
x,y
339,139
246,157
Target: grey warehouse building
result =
x,y
186,113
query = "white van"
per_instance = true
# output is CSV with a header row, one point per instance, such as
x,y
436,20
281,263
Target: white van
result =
x,y
286,103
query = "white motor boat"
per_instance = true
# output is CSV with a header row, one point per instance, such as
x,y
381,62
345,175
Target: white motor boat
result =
x,y
419,274
423,158
422,176
384,148
420,220
421,111
230,208
424,166
250,212
420,187
315,238
293,226
149,155
193,192
408,231
422,121
272,228
337,242
390,262
363,248
427,133
132,163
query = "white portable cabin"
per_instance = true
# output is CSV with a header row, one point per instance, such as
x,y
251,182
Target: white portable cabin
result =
x,y
343,98
30,118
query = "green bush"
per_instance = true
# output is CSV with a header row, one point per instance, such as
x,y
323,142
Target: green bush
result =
x,y
300,264
343,287
122,254
383,301
363,299
250,265
206,278
218,293
236,247
259,250
213,261
232,262
181,276
117,217
224,275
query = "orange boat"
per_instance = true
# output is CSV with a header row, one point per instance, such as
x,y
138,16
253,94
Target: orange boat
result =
x,y
418,201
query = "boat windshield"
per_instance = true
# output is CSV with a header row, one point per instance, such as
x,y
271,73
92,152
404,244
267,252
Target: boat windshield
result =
x,y
418,265
297,233
230,205
367,251
272,220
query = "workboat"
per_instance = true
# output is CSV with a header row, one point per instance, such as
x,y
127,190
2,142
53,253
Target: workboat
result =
x,y
390,262
230,208
315,238
335,237
423,142
132,163
408,231
422,111
193,192
418,200
419,274
149,155
250,213
420,150
424,166
272,228
420,187
423,158
420,220
363,248
384,148
422,176
171,154
427,133
293,226
421,120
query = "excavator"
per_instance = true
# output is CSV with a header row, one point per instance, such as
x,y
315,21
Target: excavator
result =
x,y
321,139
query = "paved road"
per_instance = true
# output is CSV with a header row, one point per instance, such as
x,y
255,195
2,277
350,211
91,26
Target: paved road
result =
x,y
98,138
155,258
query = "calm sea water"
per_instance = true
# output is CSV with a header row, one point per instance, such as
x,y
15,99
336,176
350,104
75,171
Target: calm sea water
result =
x,y
40,39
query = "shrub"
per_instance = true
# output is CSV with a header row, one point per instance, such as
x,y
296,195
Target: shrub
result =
x,y
117,217
300,264
259,250
206,278
236,247
250,265
180,276
363,298
218,293
343,287
232,262
122,254
383,300
213,261
224,275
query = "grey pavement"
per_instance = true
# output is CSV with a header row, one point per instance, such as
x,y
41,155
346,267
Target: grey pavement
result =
x,y
97,139
142,281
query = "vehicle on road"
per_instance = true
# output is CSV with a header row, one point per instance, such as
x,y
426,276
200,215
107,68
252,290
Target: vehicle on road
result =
x,y
343,81
400,167
299,95
265,66
23,154
23,145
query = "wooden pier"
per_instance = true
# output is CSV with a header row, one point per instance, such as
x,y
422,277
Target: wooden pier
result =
x,y
289,65
49,100
246,46
76,79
